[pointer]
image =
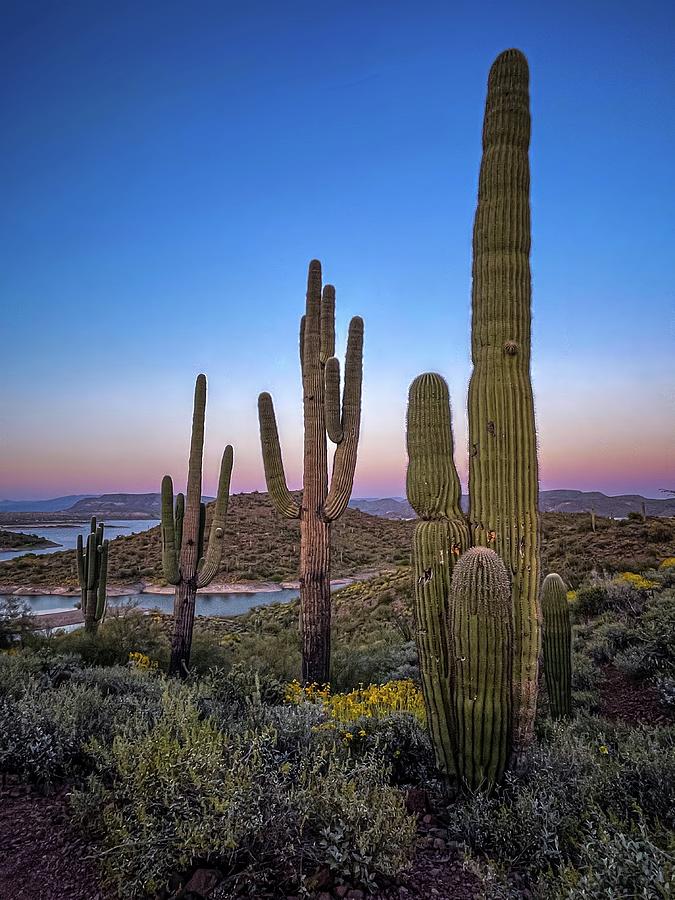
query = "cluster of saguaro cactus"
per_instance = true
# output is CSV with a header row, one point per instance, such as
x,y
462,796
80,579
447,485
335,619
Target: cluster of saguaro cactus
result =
x,y
503,477
557,646
183,527
92,573
326,413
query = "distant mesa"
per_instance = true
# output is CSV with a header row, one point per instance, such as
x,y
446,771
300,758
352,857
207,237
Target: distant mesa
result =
x,y
80,507
549,501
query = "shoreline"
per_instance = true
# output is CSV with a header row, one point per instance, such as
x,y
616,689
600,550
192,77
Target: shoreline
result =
x,y
141,587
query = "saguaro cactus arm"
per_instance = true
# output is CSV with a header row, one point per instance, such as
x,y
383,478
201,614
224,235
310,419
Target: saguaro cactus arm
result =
x,y
344,463
209,564
275,477
102,598
170,544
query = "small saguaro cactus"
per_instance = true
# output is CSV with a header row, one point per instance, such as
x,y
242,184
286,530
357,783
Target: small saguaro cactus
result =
x,y
92,573
593,520
183,529
481,656
322,503
557,646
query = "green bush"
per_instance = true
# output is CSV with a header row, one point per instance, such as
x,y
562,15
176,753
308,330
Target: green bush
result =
x,y
188,790
577,785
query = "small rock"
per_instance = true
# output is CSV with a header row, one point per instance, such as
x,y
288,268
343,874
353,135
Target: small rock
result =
x,y
417,801
428,819
203,882
439,844
341,890
355,894
324,895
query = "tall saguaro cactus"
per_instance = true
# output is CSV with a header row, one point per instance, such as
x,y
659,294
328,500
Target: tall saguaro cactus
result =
x,y
503,476
183,529
503,472
557,646
92,573
325,414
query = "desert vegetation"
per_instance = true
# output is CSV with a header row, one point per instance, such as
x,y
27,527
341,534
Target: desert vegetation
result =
x,y
401,738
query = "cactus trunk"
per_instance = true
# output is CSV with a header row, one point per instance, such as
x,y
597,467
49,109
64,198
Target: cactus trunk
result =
x,y
480,648
503,473
557,646
183,536
322,502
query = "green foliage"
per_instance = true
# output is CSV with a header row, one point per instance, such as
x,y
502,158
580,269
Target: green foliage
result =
x,y
583,787
15,620
242,797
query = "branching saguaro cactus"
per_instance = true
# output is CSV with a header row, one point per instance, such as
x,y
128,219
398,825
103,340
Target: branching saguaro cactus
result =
x,y
325,414
481,655
183,529
503,475
557,646
92,573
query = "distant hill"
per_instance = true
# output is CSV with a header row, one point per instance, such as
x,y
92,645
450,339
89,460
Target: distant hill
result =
x,y
56,504
119,506
549,501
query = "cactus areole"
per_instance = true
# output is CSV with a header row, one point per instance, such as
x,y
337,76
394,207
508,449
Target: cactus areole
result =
x,y
183,529
503,472
326,414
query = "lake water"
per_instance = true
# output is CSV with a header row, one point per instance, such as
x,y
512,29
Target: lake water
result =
x,y
206,605
66,535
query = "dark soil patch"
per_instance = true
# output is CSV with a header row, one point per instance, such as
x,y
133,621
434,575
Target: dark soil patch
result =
x,y
634,702
41,856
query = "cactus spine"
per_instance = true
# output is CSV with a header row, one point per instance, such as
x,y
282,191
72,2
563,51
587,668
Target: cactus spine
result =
x,y
481,652
557,646
183,529
322,503
441,535
92,573
503,474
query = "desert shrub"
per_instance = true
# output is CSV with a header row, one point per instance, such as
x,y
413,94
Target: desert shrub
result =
x,y
385,657
187,790
44,729
659,532
119,636
651,649
590,601
614,864
606,639
577,785
15,620
665,685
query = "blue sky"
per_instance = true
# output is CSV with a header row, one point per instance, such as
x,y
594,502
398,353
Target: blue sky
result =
x,y
168,169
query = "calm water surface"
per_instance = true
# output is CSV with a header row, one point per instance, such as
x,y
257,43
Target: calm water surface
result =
x,y
207,604
66,535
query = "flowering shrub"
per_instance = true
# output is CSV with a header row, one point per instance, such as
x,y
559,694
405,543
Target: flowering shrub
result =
x,y
374,701
638,582
142,662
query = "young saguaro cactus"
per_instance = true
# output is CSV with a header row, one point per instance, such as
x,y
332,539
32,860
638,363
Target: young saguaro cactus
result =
x,y
557,646
92,573
481,654
503,472
183,529
441,536
322,503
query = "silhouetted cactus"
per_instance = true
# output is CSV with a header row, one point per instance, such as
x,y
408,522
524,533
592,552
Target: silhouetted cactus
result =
x,y
321,503
92,573
183,535
557,646
503,473
481,655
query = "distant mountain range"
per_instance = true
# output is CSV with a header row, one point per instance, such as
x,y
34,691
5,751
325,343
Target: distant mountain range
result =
x,y
549,501
147,506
